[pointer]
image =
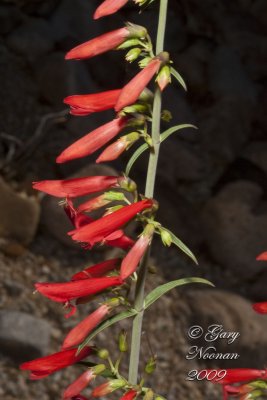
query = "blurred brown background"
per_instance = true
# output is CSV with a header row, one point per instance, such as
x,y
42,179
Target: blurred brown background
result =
x,y
211,185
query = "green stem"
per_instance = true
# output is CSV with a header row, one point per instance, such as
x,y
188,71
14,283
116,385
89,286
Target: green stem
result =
x,y
149,192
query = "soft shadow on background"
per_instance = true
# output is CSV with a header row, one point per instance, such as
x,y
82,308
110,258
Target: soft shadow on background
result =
x,y
211,186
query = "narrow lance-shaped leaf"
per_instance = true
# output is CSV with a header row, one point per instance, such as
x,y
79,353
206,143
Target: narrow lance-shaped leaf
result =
x,y
173,129
145,146
105,324
181,245
135,156
155,294
179,78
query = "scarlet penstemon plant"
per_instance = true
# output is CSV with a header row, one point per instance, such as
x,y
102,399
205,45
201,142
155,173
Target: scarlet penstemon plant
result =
x,y
138,116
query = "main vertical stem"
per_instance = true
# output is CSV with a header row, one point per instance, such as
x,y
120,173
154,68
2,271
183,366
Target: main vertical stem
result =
x,y
149,192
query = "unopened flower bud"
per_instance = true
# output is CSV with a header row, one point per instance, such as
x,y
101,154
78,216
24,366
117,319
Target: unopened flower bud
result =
x,y
166,115
108,387
144,62
165,237
149,395
158,397
114,302
135,108
127,184
164,77
114,196
151,365
136,31
98,369
133,54
123,345
128,43
103,354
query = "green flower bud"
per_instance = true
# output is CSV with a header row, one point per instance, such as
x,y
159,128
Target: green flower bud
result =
x,y
136,31
144,62
117,384
165,237
114,196
166,115
98,369
151,365
123,346
103,354
128,185
149,395
128,43
133,54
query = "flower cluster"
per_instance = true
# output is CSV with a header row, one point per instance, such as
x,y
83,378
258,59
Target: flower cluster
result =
x,y
254,388
132,105
136,113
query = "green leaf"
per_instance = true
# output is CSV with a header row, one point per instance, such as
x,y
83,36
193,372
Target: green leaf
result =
x,y
182,246
105,324
145,146
155,294
173,129
179,78
135,156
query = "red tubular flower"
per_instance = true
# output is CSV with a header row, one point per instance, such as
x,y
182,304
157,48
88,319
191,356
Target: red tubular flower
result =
x,y
79,397
109,7
240,375
78,186
262,256
100,44
130,395
261,308
108,387
87,104
93,204
107,41
93,141
78,385
64,292
113,151
97,270
101,229
80,331
134,88
44,366
132,259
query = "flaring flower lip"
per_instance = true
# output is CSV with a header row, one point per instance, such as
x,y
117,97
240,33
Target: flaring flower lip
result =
x,y
93,141
109,7
44,366
240,375
80,331
101,44
134,88
97,270
77,186
101,229
64,292
78,385
87,104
